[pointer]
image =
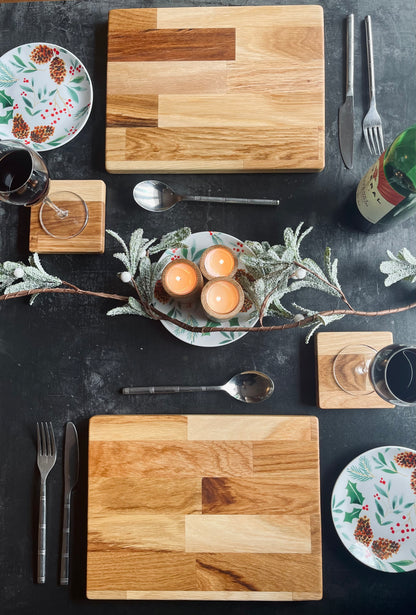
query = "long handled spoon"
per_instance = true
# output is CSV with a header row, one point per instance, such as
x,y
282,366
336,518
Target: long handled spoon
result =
x,y
156,196
251,387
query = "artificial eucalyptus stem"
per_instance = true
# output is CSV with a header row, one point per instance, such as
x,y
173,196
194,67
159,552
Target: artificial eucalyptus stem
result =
x,y
156,314
270,273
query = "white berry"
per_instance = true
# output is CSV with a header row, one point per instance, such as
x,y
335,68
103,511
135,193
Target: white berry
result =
x,y
18,272
298,317
125,276
299,274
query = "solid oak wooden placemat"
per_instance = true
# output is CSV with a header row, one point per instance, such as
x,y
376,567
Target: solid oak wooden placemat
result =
x,y
215,89
204,508
92,238
327,346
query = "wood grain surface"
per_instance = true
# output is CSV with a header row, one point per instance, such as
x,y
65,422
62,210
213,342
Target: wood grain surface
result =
x,y
91,239
327,345
204,507
223,89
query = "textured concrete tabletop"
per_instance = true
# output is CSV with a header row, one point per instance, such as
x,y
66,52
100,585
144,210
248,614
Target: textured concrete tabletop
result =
x,y
64,360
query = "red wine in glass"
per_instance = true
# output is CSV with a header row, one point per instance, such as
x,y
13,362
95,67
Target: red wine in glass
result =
x,y
359,369
24,180
21,181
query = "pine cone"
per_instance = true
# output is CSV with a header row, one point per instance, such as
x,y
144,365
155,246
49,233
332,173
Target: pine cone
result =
x,y
160,294
40,134
41,54
57,70
363,532
413,481
247,305
406,459
384,548
20,128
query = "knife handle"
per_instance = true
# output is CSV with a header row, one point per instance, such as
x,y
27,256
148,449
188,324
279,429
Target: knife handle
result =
x,y
370,57
66,522
350,56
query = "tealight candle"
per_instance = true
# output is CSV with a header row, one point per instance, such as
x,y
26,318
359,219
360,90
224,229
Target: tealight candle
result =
x,y
182,280
222,298
218,262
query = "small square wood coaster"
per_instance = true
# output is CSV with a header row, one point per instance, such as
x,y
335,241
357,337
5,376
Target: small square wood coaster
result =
x,y
92,238
327,346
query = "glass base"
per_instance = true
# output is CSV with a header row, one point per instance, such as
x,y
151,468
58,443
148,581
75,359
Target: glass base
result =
x,y
351,369
63,214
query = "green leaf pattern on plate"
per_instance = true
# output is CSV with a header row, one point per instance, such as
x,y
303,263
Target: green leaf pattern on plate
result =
x,y
34,108
375,491
194,315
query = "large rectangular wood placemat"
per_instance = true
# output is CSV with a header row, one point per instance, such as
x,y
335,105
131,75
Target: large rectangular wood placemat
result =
x,y
215,89
204,508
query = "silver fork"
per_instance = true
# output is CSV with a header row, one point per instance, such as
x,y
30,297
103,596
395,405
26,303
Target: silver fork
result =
x,y
46,457
372,128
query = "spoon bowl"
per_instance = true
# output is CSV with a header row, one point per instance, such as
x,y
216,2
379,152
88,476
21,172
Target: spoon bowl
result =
x,y
250,387
154,195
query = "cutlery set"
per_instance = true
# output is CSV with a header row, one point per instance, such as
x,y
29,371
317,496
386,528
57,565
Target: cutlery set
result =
x,y
46,459
372,125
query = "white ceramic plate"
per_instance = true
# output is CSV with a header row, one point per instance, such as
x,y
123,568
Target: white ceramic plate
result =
x,y
194,315
45,95
374,508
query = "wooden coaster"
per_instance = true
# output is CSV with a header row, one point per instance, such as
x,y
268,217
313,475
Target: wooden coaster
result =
x,y
92,238
327,346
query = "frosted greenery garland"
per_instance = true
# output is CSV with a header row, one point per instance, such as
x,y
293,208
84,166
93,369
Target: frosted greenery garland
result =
x,y
272,272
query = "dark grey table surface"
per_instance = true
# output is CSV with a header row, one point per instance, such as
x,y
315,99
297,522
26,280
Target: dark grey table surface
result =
x,y
64,359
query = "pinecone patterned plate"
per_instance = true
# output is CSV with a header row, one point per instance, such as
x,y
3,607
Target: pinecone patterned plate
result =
x,y
193,314
374,508
45,95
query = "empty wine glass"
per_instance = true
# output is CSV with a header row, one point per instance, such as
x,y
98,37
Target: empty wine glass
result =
x,y
359,369
24,180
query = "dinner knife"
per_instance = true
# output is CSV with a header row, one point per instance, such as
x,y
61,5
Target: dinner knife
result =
x,y
346,111
71,469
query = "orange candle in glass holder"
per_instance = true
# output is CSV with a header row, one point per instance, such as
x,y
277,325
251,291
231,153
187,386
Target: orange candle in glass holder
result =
x,y
218,262
222,298
182,280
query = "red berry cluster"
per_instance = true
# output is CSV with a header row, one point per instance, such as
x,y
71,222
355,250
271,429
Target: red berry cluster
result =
x,y
56,113
406,530
239,248
73,69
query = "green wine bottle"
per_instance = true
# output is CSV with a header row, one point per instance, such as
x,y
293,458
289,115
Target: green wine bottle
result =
x,y
386,194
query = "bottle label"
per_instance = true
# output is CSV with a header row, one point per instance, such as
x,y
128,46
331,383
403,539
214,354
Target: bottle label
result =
x,y
375,197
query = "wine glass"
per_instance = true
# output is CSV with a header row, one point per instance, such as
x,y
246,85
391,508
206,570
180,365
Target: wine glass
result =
x,y
24,180
359,369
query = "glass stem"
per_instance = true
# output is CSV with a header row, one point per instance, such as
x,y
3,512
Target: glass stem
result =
x,y
61,213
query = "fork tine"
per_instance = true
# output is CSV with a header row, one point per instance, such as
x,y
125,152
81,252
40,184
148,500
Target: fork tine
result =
x,y
53,446
367,139
48,439
380,136
42,439
38,438
371,137
377,139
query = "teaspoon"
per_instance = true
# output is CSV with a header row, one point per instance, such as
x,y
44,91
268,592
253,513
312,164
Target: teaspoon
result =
x,y
156,196
251,387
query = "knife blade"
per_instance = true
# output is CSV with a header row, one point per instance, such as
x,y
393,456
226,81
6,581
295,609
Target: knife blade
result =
x,y
71,470
346,111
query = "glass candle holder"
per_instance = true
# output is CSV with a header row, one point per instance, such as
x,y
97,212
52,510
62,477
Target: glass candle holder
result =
x,y
182,280
218,262
222,298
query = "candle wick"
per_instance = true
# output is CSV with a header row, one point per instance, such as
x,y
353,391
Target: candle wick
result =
x,y
218,298
178,278
221,261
